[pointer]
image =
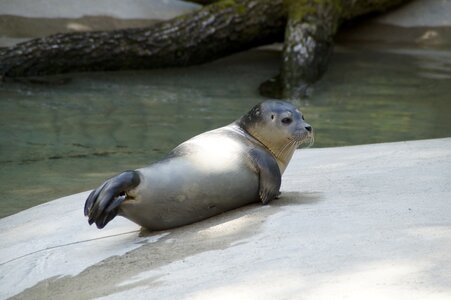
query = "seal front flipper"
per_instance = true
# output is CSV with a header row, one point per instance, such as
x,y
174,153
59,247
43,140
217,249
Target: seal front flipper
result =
x,y
269,175
102,204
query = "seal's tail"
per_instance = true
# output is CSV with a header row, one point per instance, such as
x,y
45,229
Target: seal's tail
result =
x,y
103,203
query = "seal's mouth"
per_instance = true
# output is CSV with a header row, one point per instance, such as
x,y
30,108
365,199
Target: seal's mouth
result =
x,y
304,139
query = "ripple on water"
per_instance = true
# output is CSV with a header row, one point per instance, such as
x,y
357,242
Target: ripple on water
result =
x,y
62,139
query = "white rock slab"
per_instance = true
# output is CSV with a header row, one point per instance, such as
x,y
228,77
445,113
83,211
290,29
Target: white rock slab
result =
x,y
420,13
361,222
130,9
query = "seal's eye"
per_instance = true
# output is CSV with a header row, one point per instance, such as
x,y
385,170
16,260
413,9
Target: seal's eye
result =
x,y
287,121
303,118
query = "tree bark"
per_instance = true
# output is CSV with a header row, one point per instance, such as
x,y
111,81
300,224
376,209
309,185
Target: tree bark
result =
x,y
308,45
214,31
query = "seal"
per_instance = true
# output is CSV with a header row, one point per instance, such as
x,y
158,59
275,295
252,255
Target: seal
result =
x,y
211,173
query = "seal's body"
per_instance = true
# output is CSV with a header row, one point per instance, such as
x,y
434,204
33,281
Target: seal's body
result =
x,y
211,173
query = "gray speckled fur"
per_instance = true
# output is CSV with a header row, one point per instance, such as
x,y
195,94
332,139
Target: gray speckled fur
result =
x,y
211,173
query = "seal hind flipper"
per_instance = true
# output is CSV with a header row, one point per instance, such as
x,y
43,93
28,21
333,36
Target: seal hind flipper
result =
x,y
269,175
102,204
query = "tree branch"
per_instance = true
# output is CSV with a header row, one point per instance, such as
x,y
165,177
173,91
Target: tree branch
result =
x,y
309,34
214,31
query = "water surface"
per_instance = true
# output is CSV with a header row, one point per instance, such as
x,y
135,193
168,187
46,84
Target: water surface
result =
x,y
64,139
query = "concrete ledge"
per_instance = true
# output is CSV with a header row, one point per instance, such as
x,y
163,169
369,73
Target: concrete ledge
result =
x,y
362,222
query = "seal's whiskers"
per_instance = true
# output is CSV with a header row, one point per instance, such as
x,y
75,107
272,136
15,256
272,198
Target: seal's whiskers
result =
x,y
307,141
286,149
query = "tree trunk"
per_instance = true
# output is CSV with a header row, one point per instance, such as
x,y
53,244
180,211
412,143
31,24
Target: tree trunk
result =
x,y
214,31
308,44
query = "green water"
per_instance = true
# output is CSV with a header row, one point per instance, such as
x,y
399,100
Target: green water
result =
x,y
59,140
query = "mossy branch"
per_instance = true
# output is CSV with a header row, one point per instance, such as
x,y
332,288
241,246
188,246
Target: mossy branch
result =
x,y
214,31
218,29
309,34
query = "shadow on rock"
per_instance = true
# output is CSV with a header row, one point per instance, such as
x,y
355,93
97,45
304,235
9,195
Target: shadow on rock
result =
x,y
296,198
128,271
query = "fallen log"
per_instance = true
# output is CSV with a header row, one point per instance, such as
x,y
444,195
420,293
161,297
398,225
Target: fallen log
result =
x,y
218,29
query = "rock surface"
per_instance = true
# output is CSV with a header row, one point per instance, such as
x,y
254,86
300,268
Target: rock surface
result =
x,y
360,222
130,9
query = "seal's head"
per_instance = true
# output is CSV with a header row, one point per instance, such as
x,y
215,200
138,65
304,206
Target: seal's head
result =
x,y
279,126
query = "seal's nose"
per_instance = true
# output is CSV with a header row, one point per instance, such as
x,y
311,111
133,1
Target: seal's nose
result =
x,y
308,128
